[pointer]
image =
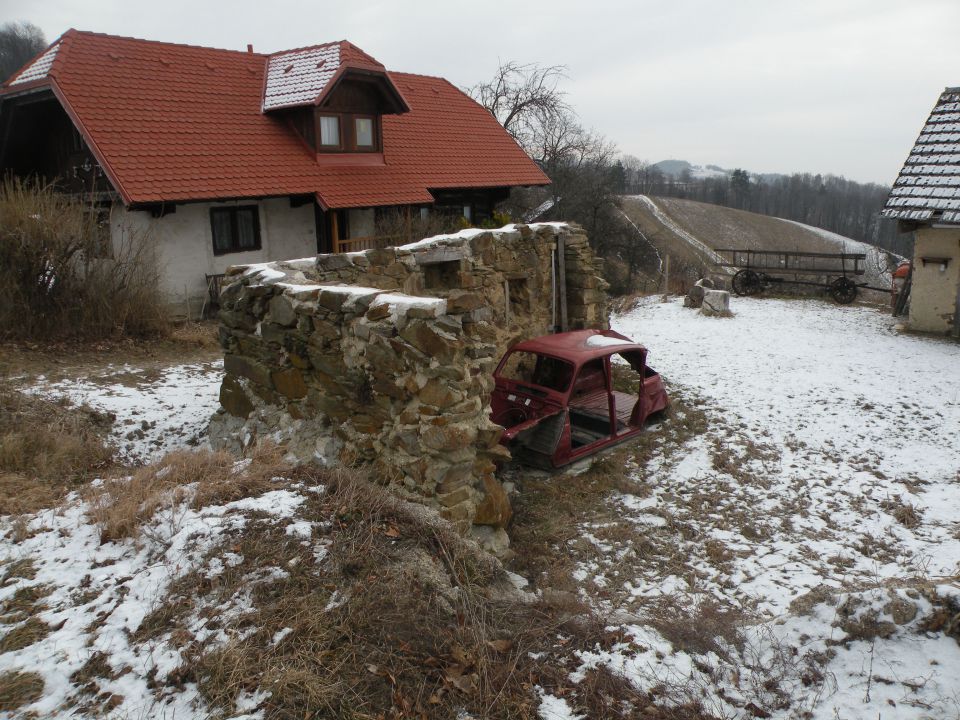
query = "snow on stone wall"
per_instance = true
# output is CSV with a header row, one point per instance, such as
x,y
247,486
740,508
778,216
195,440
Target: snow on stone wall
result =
x,y
386,356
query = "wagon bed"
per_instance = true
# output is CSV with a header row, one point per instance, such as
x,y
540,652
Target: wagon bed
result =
x,y
758,269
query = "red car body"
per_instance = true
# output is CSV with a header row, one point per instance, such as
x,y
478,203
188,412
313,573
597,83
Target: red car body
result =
x,y
555,399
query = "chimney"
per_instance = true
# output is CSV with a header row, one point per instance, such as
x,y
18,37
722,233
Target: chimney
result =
x,y
249,48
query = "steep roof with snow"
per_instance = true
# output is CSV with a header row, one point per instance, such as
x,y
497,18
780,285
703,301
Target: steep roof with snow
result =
x,y
928,187
172,123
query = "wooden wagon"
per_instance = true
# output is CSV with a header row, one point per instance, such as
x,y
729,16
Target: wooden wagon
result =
x,y
759,269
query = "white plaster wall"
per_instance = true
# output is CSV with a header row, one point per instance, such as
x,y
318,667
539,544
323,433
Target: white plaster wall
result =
x,y
933,295
184,244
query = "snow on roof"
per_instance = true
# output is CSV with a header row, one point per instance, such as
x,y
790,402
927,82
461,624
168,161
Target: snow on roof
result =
x,y
928,187
604,341
38,68
298,77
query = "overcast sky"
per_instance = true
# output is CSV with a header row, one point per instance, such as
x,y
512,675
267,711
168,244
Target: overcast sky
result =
x,y
831,86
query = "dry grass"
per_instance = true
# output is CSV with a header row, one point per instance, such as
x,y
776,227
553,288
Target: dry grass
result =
x,y
196,334
120,506
401,618
23,635
19,688
46,449
904,513
550,511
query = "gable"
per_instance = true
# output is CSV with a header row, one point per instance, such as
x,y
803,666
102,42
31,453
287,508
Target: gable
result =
x,y
928,186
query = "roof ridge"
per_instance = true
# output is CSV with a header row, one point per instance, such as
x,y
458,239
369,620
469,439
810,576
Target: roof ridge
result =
x,y
166,43
305,47
419,75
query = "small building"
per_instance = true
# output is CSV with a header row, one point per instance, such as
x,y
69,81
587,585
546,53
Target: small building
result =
x,y
225,157
926,199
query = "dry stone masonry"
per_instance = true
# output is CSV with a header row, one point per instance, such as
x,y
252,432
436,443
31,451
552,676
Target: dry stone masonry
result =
x,y
385,357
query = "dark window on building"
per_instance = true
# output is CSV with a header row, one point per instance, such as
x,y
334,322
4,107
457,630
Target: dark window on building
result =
x,y
235,229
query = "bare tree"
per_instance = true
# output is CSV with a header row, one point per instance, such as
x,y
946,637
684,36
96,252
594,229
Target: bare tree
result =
x,y
520,95
19,41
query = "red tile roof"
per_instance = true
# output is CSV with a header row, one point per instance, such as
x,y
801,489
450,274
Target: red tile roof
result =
x,y
178,122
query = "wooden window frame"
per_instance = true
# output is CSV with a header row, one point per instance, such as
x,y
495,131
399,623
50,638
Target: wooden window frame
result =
x,y
234,234
348,133
319,135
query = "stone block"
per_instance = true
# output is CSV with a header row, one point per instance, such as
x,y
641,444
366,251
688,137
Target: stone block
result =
x,y
233,399
694,298
245,367
495,508
289,382
716,303
281,311
430,341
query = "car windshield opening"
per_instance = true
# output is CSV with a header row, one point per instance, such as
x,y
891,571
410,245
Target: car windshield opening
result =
x,y
541,370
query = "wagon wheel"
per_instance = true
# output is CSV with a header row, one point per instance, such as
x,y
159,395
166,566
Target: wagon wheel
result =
x,y
747,282
843,290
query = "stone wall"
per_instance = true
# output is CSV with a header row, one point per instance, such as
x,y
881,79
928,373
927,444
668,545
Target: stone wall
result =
x,y
386,356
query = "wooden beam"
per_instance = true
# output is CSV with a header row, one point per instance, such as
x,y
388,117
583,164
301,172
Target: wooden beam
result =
x,y
562,282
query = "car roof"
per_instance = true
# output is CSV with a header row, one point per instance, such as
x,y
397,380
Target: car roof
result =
x,y
577,345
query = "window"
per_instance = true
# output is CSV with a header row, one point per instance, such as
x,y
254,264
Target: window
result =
x,y
329,131
235,229
363,127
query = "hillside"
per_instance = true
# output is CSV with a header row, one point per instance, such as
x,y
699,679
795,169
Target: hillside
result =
x,y
690,231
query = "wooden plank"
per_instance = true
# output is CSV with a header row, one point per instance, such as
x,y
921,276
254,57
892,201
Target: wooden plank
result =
x,y
562,282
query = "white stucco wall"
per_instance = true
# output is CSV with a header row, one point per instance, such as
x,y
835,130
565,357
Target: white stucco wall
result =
x,y
184,243
933,295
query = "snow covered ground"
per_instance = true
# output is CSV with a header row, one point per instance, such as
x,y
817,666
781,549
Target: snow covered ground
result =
x,y
819,502
823,498
155,411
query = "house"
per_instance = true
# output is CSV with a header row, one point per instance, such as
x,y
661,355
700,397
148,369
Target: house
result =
x,y
225,157
926,198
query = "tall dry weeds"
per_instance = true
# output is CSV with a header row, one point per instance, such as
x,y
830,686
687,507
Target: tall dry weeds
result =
x,y
46,449
62,276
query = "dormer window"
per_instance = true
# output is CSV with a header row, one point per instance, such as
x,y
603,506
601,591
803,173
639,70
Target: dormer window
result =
x,y
364,133
329,132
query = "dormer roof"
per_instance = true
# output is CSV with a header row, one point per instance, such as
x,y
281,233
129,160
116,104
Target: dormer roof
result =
x,y
306,75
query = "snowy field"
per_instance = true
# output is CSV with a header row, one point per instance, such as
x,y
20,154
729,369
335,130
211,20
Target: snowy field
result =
x,y
823,500
819,503
155,411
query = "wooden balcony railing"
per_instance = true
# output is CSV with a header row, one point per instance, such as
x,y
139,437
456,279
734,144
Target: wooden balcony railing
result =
x,y
372,242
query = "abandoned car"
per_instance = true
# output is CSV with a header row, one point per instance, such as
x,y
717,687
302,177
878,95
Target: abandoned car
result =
x,y
555,395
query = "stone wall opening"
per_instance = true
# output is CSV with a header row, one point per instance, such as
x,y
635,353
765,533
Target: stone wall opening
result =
x,y
385,357
442,275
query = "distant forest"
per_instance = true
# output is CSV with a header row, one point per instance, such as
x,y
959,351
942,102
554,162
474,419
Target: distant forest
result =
x,y
826,201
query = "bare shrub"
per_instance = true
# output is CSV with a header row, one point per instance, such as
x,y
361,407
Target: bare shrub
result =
x,y
61,277
46,449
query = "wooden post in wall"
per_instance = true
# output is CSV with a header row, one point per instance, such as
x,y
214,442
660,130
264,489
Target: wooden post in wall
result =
x,y
562,283
334,231
409,229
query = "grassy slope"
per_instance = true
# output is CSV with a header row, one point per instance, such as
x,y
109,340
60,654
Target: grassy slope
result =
x,y
722,227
